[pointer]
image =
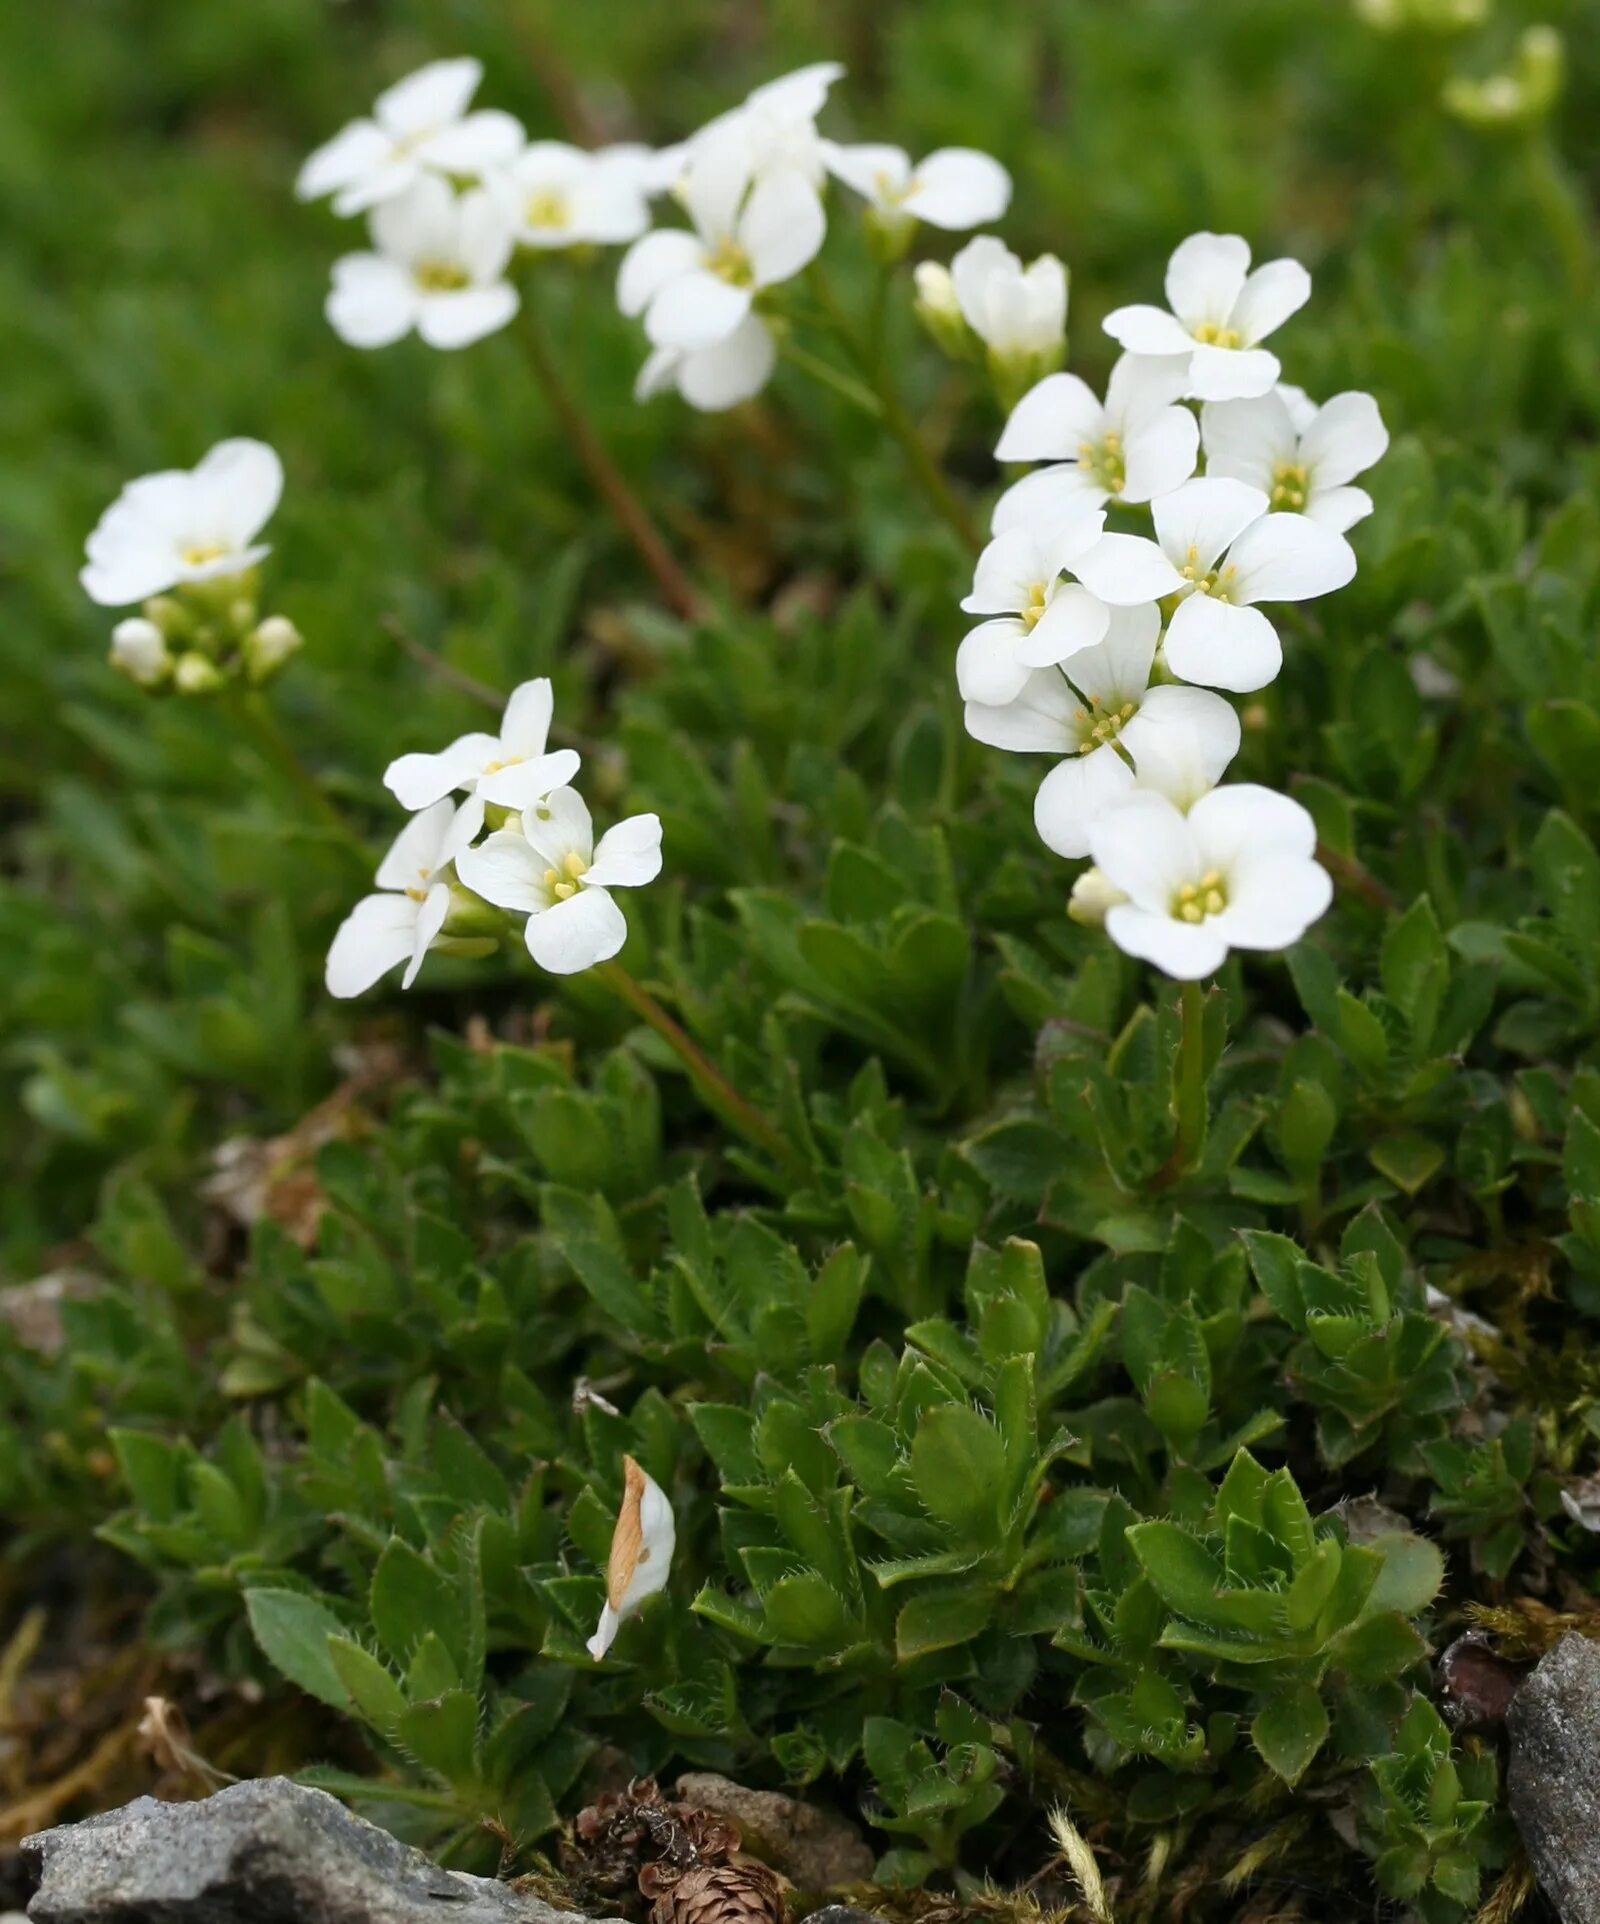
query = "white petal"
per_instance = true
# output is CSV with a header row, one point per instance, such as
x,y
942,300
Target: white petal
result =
x,y
372,302
521,784
1339,508
377,934
505,871
423,223
1273,292
801,94
782,226
1245,821
1181,741
486,139
467,314
988,669
1060,493
1290,557
1148,330
714,378
417,781
605,1634
1075,794
873,169
485,240
957,188
1118,670
608,207
659,372
1146,847
414,854
971,272
698,309
1198,522
1345,438
239,484
391,180
1143,386
651,262
431,97
560,826
1159,455
1006,572
576,934
627,855
1302,409
1186,951
1205,276
1231,373
1051,421
1040,720
1220,645
525,725
1127,568
1274,901
1073,620
431,914
353,152
1247,440
119,577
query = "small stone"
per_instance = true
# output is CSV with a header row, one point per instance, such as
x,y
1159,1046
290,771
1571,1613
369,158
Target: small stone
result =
x,y
815,1850
1553,1782
265,1852
1475,1685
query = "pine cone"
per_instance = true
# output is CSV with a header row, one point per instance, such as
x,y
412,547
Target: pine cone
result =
x,y
629,1835
743,1892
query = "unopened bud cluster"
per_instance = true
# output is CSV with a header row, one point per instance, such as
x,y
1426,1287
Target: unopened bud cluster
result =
x,y
203,638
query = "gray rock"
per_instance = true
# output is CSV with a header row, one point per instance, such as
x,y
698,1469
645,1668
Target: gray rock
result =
x,y
813,1848
1554,1778
265,1852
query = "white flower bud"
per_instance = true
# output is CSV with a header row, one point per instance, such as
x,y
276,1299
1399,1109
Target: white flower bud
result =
x,y
139,649
196,675
268,646
1092,896
939,311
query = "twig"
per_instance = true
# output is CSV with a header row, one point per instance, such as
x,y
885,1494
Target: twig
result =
x,y
436,664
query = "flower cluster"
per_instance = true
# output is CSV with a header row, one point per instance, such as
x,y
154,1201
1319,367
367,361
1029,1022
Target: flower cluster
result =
x,y
185,545
440,887
1106,647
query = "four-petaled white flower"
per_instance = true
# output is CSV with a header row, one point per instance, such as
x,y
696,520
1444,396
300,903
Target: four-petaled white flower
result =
x,y
954,188
1219,549
554,196
401,923
1138,445
1237,872
1301,456
1099,712
1037,617
419,126
1220,315
438,267
184,525
773,130
1017,312
553,873
510,770
641,1553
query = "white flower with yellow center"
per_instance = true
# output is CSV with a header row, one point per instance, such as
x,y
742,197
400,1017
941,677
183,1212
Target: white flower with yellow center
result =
x,y
403,921
641,1553
553,872
1218,552
1301,456
1237,872
437,266
510,770
1220,314
1019,313
184,525
955,188
1099,712
419,126
1037,617
1136,445
557,196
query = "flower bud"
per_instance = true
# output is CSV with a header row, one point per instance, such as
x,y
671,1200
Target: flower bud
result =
x,y
1092,895
1517,98
195,674
139,650
939,311
268,647
170,616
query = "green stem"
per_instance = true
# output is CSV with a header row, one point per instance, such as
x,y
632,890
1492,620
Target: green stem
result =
x,y
1561,209
256,716
1188,1091
629,511
713,1087
844,385
896,417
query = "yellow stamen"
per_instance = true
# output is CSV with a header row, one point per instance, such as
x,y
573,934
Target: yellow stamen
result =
x,y
547,208
440,277
1213,335
201,552
1290,486
730,263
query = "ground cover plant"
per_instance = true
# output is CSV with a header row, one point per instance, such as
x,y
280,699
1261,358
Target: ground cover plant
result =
x,y
954,1164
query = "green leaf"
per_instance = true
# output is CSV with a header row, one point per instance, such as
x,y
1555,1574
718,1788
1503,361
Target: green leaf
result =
x,y
1411,1577
1185,1573
935,1621
958,1467
443,1736
409,1598
294,1632
371,1685
1409,1160
804,1609
833,1300
1289,1730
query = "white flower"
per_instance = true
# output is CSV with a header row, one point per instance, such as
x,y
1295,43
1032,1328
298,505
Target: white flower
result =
x,y
1301,456
956,187
1237,872
1221,313
439,268
1100,712
1135,447
553,873
139,649
559,196
774,129
511,769
1218,547
1037,617
716,377
419,126
402,923
1018,313
695,289
178,526
641,1553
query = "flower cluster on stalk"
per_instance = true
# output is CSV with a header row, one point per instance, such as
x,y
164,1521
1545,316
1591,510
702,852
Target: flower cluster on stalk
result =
x,y
1105,645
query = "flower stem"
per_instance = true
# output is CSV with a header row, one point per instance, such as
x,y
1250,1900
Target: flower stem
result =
x,y
713,1087
896,417
630,512
266,735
